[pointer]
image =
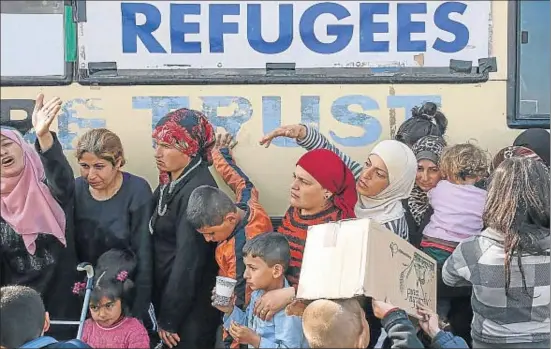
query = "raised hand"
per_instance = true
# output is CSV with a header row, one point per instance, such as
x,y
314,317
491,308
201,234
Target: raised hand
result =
x,y
44,114
225,141
289,131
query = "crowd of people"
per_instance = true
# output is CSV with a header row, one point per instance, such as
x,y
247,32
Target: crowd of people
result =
x,y
156,254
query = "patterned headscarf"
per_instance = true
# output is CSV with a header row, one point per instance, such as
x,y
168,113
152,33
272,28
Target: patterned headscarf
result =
x,y
426,148
189,131
511,152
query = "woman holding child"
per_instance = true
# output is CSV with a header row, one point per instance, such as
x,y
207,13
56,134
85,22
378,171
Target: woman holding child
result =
x,y
185,267
36,228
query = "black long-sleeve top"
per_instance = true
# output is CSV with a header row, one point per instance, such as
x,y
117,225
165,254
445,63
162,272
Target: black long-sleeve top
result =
x,y
52,269
121,222
185,266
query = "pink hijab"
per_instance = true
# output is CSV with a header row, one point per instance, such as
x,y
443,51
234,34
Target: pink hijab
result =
x,y
27,204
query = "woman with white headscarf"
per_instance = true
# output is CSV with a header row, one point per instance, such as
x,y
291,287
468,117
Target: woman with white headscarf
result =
x,y
385,180
387,177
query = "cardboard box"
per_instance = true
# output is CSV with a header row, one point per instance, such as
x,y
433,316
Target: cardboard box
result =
x,y
360,257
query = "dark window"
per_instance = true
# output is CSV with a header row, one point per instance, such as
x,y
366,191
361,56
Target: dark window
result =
x,y
529,64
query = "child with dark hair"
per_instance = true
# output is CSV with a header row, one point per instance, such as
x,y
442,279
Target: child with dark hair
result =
x,y
111,325
25,321
266,258
425,120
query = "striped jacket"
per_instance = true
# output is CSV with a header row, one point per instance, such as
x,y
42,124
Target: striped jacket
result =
x,y
520,317
315,140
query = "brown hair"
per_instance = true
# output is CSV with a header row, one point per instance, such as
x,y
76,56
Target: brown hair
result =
x,y
103,143
518,208
462,161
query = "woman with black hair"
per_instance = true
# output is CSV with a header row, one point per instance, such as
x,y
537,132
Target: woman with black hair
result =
x,y
425,120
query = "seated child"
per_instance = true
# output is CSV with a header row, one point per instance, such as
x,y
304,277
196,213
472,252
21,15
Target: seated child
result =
x,y
230,224
458,205
24,321
111,325
266,258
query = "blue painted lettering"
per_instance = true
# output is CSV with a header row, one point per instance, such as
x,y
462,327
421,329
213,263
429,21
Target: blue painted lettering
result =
x,y
254,29
271,116
217,26
443,21
69,116
160,106
406,27
368,27
241,114
341,32
179,28
372,127
131,31
408,102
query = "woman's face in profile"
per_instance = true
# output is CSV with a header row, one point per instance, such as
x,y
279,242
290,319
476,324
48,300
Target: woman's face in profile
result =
x,y
12,161
374,177
306,192
428,175
170,159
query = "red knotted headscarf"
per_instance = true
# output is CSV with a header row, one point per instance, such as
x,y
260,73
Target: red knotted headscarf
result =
x,y
189,131
333,175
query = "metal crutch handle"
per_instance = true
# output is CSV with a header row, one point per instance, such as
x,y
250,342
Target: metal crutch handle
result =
x,y
89,269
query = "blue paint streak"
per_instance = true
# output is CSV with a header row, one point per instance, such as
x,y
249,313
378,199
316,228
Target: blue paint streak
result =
x,y
160,106
69,116
271,116
408,102
232,124
371,125
30,136
271,119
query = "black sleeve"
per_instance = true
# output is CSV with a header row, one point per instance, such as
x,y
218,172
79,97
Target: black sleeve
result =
x,y
180,292
59,174
141,245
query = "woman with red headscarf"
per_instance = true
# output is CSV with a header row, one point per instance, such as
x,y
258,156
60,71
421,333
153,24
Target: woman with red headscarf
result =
x,y
323,190
185,268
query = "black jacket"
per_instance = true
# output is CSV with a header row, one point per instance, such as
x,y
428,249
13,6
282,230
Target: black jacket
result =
x,y
52,269
185,267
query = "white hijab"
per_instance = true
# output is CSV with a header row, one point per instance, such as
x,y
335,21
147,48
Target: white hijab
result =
x,y
402,169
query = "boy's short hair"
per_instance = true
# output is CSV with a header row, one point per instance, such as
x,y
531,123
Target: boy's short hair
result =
x,y
272,248
333,323
208,206
464,160
22,315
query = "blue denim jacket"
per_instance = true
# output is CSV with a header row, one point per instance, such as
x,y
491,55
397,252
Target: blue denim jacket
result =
x,y
281,332
447,340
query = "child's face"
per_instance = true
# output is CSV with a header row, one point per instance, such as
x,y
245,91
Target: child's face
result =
x,y
258,274
106,312
220,232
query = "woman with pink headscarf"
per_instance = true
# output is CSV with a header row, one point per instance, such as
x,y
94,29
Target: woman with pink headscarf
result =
x,y
36,243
